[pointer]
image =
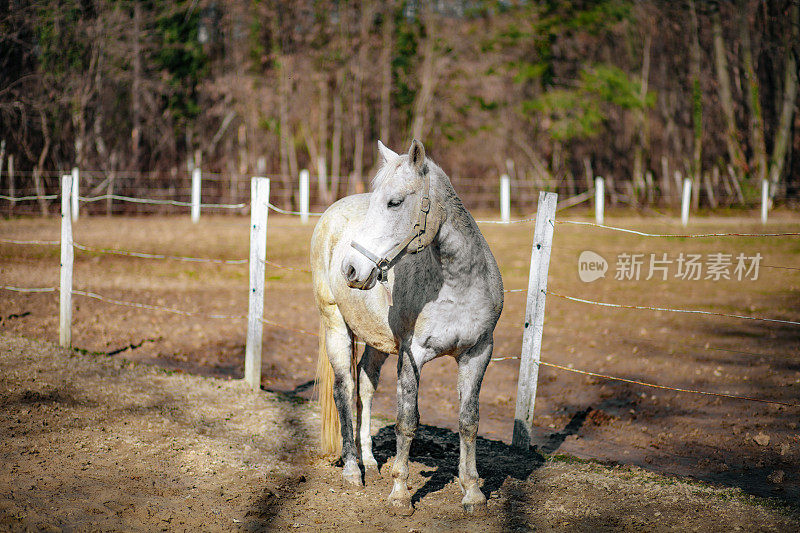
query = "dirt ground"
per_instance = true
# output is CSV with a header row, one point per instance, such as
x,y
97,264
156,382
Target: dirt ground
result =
x,y
101,444
744,447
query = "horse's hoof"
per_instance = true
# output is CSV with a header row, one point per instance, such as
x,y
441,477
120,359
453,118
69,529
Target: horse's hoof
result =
x,y
474,501
400,499
352,475
400,507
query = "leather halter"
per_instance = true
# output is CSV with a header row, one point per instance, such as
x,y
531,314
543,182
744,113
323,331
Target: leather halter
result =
x,y
385,262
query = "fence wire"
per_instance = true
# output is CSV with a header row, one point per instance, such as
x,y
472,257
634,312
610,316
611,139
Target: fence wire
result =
x,y
28,289
519,221
313,334
29,198
144,255
43,243
664,387
288,212
680,236
653,385
155,201
286,267
693,311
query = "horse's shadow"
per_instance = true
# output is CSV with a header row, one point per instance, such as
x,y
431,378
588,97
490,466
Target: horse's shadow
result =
x,y
438,449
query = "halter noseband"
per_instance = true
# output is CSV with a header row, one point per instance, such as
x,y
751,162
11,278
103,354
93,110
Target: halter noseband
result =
x,y
385,262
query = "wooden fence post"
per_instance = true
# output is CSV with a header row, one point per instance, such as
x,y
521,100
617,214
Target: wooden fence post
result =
x,y
599,200
764,200
505,198
686,201
303,198
259,198
196,181
75,193
534,319
67,256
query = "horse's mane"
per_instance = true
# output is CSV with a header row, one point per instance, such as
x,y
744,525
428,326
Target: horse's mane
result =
x,y
387,168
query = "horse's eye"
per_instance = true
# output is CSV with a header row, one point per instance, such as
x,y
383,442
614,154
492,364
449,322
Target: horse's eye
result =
x,y
395,202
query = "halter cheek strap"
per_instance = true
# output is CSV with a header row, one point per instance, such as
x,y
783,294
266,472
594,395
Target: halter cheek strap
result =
x,y
385,262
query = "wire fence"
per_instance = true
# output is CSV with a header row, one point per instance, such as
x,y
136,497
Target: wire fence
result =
x,y
172,188
676,235
158,202
272,323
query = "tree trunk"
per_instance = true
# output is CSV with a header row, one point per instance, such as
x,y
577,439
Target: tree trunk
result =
x,y
651,193
732,140
136,85
386,73
589,175
283,118
712,199
358,137
787,106
359,110
427,83
11,185
294,171
666,184
697,107
753,97
321,160
2,158
233,175
336,141
37,172
736,186
241,141
643,133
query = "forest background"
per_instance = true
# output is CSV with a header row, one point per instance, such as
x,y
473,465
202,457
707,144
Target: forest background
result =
x,y
550,92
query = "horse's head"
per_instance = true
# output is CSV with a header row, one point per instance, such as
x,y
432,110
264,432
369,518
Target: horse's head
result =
x,y
403,216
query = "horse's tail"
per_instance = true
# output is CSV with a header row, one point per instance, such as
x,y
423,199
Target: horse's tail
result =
x,y
330,430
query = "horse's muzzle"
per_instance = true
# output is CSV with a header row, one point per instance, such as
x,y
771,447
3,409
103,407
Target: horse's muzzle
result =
x,y
359,273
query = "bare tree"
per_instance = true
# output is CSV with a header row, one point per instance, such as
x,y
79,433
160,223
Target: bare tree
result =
x,y
753,93
732,139
787,104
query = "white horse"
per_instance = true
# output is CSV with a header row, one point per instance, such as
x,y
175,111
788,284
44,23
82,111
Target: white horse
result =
x,y
436,291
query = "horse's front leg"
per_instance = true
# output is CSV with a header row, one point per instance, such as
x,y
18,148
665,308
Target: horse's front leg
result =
x,y
369,371
471,368
406,427
339,345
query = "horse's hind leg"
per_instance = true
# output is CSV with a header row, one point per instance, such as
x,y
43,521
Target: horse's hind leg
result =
x,y
339,344
369,371
471,368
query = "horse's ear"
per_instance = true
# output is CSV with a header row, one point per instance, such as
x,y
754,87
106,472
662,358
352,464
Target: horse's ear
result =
x,y
386,153
416,154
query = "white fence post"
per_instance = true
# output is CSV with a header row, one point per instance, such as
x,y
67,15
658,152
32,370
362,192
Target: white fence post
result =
x,y
534,319
303,196
505,198
67,256
259,198
686,201
75,193
599,200
764,200
196,181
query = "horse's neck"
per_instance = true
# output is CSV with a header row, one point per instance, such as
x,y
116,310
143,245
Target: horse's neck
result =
x,y
459,246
